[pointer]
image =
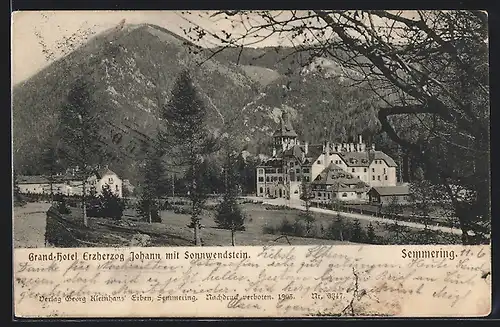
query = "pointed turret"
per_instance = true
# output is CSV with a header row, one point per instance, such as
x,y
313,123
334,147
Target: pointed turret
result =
x,y
285,136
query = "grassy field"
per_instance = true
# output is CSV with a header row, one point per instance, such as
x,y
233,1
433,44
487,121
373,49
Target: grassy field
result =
x,y
262,228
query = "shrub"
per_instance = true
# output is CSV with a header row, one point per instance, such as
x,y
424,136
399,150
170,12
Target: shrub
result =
x,y
107,204
269,230
62,207
167,206
145,207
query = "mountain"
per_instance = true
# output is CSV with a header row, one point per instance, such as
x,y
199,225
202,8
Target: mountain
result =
x,y
133,70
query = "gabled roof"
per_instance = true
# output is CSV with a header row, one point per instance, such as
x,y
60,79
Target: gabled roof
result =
x,y
33,179
392,190
104,171
364,159
339,179
313,152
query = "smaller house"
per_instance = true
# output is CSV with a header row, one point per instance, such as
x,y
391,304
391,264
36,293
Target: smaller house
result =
x,y
333,183
385,195
106,177
71,183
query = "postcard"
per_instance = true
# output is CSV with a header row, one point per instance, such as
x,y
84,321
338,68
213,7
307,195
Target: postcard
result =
x,y
314,163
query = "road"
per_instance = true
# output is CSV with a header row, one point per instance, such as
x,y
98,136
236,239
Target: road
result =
x,y
298,205
29,225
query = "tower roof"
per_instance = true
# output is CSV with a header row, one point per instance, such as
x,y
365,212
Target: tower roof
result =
x,y
285,128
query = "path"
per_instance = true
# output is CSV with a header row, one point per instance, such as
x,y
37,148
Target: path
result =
x,y
297,205
29,225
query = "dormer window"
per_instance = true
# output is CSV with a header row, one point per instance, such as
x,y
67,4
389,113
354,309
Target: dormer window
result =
x,y
319,162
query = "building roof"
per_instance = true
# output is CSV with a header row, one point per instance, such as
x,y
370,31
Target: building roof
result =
x,y
104,171
285,127
340,180
392,190
313,152
365,158
33,179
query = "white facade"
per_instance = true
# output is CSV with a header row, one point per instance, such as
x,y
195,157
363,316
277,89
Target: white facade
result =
x,y
73,186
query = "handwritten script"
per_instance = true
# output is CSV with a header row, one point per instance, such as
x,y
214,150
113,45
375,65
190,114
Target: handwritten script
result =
x,y
253,281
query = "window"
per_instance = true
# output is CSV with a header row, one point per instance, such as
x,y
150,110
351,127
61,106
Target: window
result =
x,y
261,180
344,195
110,180
373,170
331,161
364,170
267,179
307,178
385,177
385,171
297,170
329,196
261,190
373,177
280,179
305,170
261,171
378,177
354,170
116,187
292,163
298,178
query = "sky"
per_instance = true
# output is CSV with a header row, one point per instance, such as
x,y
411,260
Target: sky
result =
x,y
33,32
36,34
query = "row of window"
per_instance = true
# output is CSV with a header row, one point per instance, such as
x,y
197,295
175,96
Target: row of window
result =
x,y
328,195
278,193
270,179
378,177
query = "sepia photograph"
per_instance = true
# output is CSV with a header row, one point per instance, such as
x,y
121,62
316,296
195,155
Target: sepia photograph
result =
x,y
250,128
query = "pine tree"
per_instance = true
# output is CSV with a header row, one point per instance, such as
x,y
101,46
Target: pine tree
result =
x,y
229,215
190,142
306,195
357,234
153,186
370,234
18,200
79,128
51,164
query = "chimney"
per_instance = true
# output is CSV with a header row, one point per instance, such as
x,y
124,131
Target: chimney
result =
x,y
360,139
351,147
363,147
274,152
306,147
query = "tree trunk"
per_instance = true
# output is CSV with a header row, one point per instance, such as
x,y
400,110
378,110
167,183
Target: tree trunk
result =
x,y
197,234
150,219
84,205
51,190
232,237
